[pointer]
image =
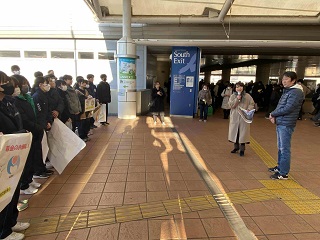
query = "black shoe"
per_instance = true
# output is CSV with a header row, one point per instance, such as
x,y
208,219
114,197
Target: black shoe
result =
x,y
279,176
49,172
103,123
274,169
234,150
107,123
41,175
241,153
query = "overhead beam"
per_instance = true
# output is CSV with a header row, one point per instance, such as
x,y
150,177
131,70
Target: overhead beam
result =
x,y
97,8
178,20
92,7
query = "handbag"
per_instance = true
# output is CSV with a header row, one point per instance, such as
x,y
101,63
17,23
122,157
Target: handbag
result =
x,y
151,103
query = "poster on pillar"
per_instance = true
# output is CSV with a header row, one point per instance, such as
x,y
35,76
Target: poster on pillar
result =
x,y
127,74
185,71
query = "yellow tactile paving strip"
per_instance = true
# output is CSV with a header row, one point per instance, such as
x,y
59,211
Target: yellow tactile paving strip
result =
x,y
299,199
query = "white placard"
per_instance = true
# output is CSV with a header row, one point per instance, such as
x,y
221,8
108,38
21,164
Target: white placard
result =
x,y
14,150
64,145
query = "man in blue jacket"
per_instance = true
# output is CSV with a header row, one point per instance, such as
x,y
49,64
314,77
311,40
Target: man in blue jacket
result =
x,y
285,117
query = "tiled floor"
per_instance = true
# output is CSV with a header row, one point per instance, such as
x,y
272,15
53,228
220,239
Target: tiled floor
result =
x,y
132,162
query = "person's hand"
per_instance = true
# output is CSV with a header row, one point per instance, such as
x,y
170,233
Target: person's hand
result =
x,y
239,97
48,125
89,97
272,119
55,113
1,133
69,120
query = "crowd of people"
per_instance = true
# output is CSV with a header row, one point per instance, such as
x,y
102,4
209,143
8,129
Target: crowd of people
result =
x,y
26,108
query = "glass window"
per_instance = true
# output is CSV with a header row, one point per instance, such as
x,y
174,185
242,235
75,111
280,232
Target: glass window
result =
x,y
85,55
58,54
35,54
9,53
106,55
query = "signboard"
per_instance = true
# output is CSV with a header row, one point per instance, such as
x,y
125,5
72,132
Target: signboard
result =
x,y
89,104
127,73
14,150
185,77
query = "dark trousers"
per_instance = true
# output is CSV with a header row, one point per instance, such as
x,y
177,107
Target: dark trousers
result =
x,y
37,163
237,145
9,215
107,112
226,113
75,120
27,173
203,111
301,112
84,128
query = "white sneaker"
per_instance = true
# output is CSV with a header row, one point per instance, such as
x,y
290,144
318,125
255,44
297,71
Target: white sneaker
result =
x,y
205,120
48,165
29,191
15,236
200,120
35,184
20,226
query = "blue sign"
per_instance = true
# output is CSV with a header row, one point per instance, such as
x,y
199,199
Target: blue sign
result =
x,y
184,80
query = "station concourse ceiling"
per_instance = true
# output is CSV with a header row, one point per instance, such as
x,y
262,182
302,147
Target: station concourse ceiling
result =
x,y
231,32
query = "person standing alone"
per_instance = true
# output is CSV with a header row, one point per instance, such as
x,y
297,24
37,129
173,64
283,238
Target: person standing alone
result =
x,y
285,117
103,94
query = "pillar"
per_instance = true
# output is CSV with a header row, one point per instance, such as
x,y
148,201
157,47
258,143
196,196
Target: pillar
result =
x,y
301,67
263,73
207,76
126,68
226,73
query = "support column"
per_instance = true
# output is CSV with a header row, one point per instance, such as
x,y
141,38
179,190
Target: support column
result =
x,y
207,76
263,73
301,67
126,68
226,73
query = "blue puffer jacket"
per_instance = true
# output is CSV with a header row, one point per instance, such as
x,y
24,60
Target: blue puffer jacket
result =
x,y
287,111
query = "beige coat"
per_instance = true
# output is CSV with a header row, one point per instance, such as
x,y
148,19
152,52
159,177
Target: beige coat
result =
x,y
236,122
225,101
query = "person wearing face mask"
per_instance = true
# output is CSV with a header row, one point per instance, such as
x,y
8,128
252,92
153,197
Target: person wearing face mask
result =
x,y
44,119
10,123
239,130
26,107
205,99
225,102
65,116
84,117
74,105
157,96
56,104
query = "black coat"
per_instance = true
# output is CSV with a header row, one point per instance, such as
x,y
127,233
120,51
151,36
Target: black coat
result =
x,y
157,100
41,102
92,89
103,92
55,101
28,116
65,115
10,119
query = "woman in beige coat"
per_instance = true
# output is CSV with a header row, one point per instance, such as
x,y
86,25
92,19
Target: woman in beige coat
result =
x,y
239,130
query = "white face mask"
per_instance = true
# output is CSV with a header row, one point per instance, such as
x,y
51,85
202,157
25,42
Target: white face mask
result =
x,y
64,88
87,86
46,88
16,92
16,72
228,87
205,89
